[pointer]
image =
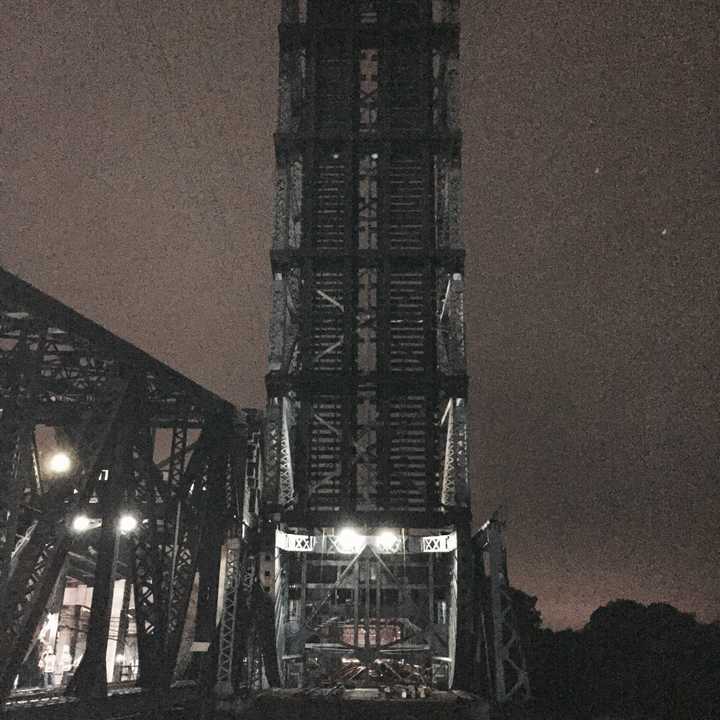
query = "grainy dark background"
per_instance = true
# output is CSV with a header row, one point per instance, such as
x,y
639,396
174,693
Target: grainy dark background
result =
x,y
137,163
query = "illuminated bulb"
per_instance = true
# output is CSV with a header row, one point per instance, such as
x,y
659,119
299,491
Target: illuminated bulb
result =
x,y
387,541
374,156
348,541
127,523
81,523
60,463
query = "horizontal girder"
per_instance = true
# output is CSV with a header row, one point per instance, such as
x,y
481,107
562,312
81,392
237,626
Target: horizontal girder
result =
x,y
79,356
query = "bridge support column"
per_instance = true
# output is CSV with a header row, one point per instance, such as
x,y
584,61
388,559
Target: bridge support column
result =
x,y
90,678
504,657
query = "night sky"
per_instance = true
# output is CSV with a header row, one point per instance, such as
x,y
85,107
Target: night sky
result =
x,y
136,164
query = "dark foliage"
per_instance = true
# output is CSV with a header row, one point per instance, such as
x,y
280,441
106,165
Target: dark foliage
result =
x,y
630,660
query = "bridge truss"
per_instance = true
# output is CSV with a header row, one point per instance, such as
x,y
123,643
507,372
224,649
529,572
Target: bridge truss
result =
x,y
144,441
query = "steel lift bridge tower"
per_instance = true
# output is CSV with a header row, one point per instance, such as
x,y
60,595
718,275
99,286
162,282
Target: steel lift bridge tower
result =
x,y
366,473
349,558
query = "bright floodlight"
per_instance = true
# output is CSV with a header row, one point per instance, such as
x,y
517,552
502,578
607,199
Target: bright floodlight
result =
x,y
127,523
348,540
81,523
388,542
59,462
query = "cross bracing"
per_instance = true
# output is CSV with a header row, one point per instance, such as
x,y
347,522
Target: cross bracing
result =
x,y
141,439
367,349
328,541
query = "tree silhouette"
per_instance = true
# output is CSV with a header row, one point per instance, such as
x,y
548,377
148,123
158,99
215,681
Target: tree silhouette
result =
x,y
630,660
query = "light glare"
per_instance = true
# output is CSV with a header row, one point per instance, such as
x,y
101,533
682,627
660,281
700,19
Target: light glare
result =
x,y
81,523
59,462
127,523
348,540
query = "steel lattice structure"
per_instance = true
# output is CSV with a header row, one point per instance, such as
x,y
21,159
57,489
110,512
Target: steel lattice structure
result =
x,y
367,373
367,384
332,534
111,403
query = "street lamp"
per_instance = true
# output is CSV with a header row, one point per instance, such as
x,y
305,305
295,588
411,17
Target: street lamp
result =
x,y
59,463
127,523
81,523
348,540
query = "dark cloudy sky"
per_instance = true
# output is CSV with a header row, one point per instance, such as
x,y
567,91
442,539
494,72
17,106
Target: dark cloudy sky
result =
x,y
136,164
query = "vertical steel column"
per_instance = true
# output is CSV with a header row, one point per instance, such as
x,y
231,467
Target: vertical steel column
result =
x,y
464,669
232,595
356,602
123,623
350,280
430,269
367,603
90,678
146,561
303,589
17,422
383,269
378,609
431,588
209,561
510,674
204,479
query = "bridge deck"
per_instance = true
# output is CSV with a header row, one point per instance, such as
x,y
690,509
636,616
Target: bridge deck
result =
x,y
360,704
123,701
